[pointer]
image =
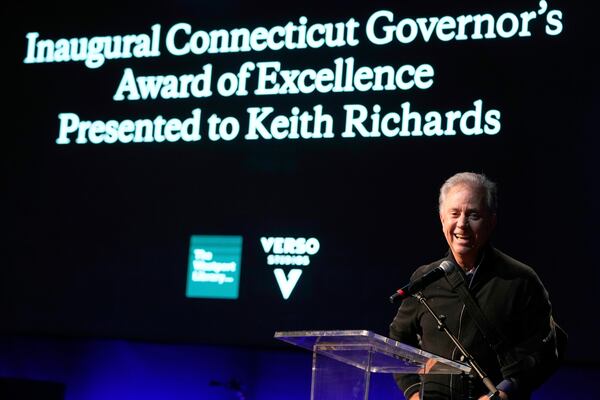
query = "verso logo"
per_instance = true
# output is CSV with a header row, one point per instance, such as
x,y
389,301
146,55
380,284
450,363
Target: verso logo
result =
x,y
289,251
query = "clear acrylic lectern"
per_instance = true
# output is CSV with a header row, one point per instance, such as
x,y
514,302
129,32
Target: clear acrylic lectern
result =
x,y
344,360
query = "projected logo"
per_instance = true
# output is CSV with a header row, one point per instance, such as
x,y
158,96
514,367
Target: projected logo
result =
x,y
289,251
214,267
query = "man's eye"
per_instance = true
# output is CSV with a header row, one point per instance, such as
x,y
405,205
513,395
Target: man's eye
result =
x,y
474,216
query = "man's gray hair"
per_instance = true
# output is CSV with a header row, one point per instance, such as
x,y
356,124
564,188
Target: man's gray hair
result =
x,y
473,180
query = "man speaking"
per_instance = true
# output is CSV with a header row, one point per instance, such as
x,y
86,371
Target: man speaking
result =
x,y
515,345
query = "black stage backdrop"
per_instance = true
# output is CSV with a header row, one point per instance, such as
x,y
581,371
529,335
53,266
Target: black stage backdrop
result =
x,y
97,236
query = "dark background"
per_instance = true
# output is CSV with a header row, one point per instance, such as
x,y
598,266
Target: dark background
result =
x,y
96,237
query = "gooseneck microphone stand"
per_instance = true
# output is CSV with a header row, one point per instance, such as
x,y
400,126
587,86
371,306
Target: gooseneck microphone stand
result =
x,y
441,324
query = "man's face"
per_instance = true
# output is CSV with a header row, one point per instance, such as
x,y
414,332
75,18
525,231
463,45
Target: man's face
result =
x,y
466,221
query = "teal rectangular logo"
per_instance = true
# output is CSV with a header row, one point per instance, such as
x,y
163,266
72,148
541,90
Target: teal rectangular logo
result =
x,y
214,267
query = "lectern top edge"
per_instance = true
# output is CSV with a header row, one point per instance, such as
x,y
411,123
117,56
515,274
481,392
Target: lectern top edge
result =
x,y
351,345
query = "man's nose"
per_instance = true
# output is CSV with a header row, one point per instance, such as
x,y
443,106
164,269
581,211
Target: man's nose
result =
x,y
463,221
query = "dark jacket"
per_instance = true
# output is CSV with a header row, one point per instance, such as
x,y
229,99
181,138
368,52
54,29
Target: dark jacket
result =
x,y
513,299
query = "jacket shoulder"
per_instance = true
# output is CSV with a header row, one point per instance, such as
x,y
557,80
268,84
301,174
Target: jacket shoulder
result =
x,y
510,267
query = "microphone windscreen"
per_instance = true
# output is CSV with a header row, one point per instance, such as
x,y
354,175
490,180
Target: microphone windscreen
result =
x,y
447,266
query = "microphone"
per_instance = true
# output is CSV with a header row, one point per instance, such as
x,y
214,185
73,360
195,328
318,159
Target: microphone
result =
x,y
424,281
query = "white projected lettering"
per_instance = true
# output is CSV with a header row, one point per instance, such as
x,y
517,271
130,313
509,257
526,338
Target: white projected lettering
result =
x,y
289,251
287,283
93,52
127,131
165,87
412,123
290,245
276,259
339,76
206,270
343,78
381,28
273,80
305,125
265,124
182,40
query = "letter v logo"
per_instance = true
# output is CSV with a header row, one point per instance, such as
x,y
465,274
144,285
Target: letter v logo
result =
x,y
287,284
